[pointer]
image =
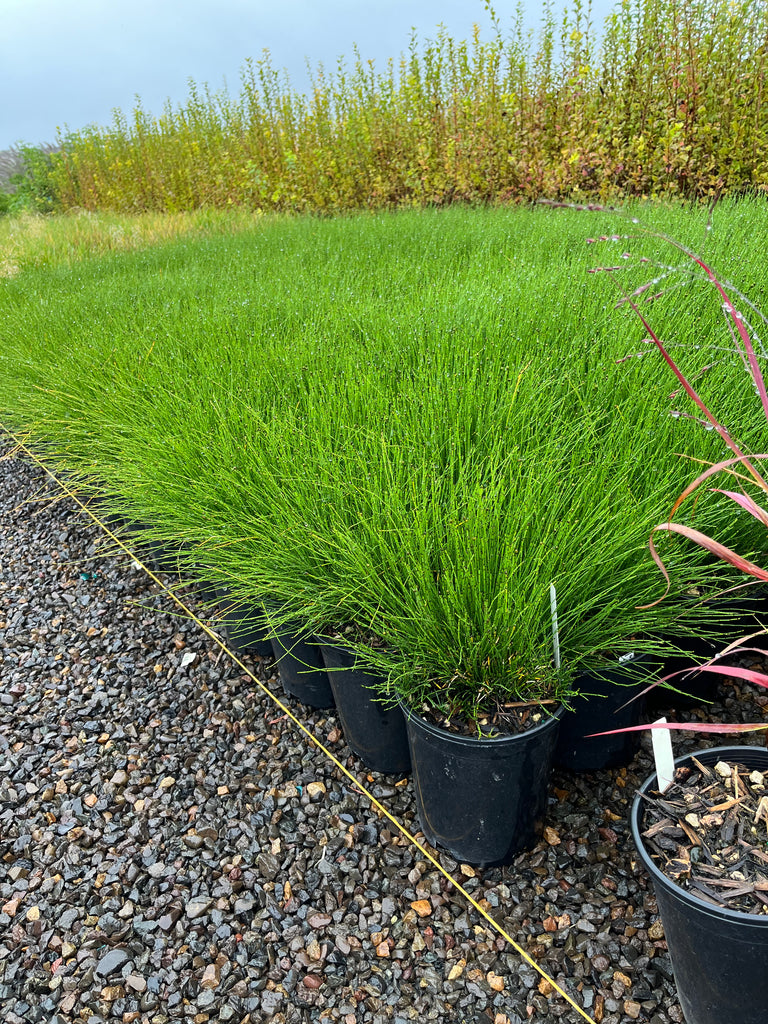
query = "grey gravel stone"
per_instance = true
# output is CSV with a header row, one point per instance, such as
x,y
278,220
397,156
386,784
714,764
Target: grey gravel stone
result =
x,y
198,907
112,962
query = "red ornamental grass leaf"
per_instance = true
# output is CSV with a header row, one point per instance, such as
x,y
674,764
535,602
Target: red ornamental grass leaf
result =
x,y
714,727
687,386
734,672
736,319
719,467
741,328
715,547
746,503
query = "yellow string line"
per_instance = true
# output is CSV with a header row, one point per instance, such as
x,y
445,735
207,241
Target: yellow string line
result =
x,y
287,711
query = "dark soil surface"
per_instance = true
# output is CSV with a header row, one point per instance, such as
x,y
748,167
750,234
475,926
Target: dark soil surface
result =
x,y
503,720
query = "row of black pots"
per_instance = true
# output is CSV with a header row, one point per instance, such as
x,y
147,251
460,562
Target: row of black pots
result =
x,y
324,675
470,796
483,799
490,794
480,799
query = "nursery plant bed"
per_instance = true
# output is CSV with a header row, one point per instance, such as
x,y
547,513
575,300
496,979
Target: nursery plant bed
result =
x,y
581,876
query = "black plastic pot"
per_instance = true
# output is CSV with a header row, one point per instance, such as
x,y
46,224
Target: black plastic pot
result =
x,y
748,612
245,623
208,592
374,731
606,703
101,509
690,689
302,670
157,556
482,800
718,956
162,558
752,616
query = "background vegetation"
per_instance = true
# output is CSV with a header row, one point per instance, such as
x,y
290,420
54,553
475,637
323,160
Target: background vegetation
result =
x,y
672,102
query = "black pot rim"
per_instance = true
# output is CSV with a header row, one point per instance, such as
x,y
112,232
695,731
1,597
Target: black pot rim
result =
x,y
658,876
473,741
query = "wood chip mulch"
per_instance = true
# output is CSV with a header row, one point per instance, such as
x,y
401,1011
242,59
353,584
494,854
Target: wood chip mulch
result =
x,y
709,833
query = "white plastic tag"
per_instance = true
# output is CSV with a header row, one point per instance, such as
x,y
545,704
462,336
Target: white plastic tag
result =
x,y
555,628
663,756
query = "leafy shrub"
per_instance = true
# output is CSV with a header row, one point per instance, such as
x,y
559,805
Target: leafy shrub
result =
x,y
670,103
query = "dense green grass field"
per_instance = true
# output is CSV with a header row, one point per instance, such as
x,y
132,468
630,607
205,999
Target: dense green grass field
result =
x,y
409,423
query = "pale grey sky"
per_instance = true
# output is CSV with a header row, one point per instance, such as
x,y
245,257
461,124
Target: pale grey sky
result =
x,y
70,63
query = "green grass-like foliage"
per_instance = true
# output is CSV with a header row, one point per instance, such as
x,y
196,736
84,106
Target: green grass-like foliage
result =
x,y
670,101
408,424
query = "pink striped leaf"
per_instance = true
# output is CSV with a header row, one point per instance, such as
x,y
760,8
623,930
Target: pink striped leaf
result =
x,y
734,672
716,727
719,467
746,503
709,544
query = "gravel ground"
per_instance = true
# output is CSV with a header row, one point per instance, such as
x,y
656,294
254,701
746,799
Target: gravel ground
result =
x,y
172,849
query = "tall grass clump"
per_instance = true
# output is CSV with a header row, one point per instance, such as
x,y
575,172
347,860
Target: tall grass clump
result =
x,y
409,425
439,546
669,100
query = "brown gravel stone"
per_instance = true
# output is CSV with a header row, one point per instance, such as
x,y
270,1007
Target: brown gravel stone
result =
x,y
422,907
112,992
211,977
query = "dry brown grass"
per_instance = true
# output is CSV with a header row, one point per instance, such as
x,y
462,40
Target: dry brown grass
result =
x,y
34,240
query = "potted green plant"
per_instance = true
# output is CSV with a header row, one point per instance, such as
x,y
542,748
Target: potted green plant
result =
x,y
459,590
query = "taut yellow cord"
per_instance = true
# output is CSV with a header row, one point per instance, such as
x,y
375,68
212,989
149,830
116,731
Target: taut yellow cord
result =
x,y
287,711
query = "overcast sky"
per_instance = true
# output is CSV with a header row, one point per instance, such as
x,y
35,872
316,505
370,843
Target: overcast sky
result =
x,y
70,63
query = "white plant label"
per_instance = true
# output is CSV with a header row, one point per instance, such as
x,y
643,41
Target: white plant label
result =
x,y
663,756
555,631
